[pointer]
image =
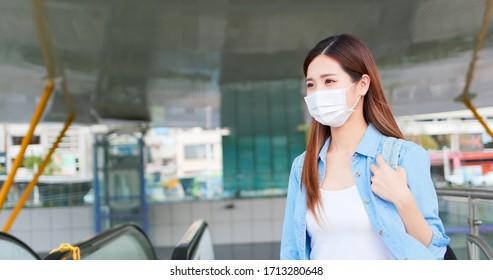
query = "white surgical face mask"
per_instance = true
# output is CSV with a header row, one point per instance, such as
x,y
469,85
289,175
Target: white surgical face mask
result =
x,y
329,106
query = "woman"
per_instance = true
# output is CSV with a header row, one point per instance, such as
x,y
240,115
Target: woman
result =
x,y
344,201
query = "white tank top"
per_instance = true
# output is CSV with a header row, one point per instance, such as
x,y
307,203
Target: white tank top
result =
x,y
346,232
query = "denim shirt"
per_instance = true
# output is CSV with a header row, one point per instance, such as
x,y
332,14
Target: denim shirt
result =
x,y
295,241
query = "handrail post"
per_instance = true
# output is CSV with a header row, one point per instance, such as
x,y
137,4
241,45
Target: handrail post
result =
x,y
470,249
473,229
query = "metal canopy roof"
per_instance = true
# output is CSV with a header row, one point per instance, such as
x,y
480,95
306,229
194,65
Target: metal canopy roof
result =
x,y
165,61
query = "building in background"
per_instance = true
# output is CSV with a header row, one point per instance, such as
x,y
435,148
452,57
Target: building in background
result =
x,y
68,176
72,158
461,152
185,162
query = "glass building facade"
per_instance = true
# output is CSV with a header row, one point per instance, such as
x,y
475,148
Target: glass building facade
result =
x,y
264,120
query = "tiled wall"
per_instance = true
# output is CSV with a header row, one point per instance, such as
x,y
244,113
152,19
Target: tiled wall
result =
x,y
240,228
44,229
240,221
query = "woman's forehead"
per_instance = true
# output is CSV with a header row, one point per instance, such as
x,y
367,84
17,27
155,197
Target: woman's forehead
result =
x,y
323,65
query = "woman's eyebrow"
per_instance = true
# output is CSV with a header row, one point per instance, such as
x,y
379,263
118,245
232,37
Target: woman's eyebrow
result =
x,y
321,76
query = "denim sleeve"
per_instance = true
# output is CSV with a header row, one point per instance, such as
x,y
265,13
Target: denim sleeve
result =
x,y
289,251
416,162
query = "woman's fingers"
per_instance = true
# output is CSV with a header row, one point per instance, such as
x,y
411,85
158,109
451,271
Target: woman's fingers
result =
x,y
373,168
381,162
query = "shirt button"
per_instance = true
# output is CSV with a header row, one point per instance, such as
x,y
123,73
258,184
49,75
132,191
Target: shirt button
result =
x,y
355,155
366,202
357,174
380,233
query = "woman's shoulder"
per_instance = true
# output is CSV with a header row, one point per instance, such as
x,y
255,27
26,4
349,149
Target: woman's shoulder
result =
x,y
298,164
410,147
299,160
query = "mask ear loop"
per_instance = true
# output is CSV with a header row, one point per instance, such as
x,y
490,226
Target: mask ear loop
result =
x,y
352,108
359,97
350,86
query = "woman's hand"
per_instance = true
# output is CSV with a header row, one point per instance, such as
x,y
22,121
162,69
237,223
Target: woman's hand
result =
x,y
389,184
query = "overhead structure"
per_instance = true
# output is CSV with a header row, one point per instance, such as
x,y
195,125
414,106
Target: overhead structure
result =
x,y
166,62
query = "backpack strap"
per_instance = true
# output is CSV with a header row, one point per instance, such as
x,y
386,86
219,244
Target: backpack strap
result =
x,y
391,149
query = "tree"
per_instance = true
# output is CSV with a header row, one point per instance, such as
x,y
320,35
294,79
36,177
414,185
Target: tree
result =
x,y
34,162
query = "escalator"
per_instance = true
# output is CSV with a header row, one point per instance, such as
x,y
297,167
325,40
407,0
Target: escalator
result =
x,y
122,242
11,248
196,244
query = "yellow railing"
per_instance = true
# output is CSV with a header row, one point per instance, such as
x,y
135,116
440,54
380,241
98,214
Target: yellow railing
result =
x,y
25,141
54,68
27,192
466,96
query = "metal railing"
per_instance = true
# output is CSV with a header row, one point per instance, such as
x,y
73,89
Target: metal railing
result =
x,y
51,194
473,240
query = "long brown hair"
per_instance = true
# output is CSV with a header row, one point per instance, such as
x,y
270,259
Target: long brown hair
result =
x,y
355,59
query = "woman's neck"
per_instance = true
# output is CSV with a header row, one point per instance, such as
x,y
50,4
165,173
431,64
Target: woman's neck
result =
x,y
345,139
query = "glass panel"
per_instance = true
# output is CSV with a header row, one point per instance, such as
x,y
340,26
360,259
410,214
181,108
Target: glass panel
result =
x,y
484,213
130,246
454,212
205,249
10,249
196,151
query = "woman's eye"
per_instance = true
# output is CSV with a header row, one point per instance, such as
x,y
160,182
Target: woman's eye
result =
x,y
309,85
328,81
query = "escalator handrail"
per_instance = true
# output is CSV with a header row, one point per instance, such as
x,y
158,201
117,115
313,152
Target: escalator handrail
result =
x,y
186,248
91,244
9,237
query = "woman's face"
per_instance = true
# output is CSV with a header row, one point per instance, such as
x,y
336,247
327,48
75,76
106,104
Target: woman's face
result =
x,y
326,73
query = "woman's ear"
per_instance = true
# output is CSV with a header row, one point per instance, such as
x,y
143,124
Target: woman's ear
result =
x,y
364,84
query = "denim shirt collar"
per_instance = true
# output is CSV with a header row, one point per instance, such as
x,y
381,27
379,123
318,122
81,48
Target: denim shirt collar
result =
x,y
368,145
323,151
